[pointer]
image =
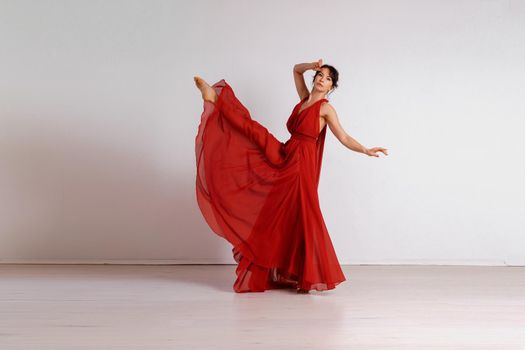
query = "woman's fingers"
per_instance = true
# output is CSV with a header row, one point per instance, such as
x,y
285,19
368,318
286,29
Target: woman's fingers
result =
x,y
373,151
380,149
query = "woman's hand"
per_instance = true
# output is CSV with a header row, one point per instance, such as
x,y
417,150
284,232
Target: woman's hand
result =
x,y
300,68
373,151
317,65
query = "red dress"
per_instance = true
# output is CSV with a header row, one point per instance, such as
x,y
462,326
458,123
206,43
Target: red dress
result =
x,y
260,195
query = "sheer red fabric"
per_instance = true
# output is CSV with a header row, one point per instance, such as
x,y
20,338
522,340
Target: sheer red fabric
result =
x,y
260,194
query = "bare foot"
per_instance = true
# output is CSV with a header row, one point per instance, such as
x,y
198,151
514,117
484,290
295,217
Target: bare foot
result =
x,y
208,94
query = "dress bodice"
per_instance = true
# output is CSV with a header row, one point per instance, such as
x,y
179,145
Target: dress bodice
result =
x,y
306,121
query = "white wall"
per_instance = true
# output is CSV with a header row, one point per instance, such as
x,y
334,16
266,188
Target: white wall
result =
x,y
98,116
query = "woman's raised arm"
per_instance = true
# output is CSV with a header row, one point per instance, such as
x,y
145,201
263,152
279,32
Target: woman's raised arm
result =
x,y
298,77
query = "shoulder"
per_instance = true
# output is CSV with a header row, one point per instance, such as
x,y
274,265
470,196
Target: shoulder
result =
x,y
326,109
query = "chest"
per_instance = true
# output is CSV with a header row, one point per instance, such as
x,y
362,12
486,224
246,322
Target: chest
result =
x,y
308,121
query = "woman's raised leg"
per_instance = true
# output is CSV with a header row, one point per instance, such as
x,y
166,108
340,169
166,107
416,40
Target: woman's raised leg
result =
x,y
239,117
208,94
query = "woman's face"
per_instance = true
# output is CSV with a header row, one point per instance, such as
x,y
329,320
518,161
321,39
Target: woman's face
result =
x,y
323,81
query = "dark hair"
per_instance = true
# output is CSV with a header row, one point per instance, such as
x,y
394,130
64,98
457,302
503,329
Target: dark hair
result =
x,y
334,74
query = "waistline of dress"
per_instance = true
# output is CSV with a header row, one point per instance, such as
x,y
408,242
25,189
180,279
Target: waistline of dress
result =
x,y
303,137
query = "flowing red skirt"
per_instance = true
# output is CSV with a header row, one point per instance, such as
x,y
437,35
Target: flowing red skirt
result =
x,y
260,195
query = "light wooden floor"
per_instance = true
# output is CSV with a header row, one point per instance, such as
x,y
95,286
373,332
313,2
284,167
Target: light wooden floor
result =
x,y
194,307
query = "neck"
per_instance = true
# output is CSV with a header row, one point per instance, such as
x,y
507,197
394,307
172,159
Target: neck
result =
x,y
316,95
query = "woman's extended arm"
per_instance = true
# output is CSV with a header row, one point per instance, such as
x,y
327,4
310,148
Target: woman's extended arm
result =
x,y
330,115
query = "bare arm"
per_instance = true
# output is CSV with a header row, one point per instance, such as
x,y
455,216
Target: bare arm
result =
x,y
330,115
298,71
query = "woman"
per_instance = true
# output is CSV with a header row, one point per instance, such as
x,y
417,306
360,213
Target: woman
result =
x,y
260,194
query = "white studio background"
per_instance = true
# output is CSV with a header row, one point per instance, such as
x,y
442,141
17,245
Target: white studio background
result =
x,y
99,112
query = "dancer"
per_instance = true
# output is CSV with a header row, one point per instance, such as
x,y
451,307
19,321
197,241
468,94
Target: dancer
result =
x,y
260,194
